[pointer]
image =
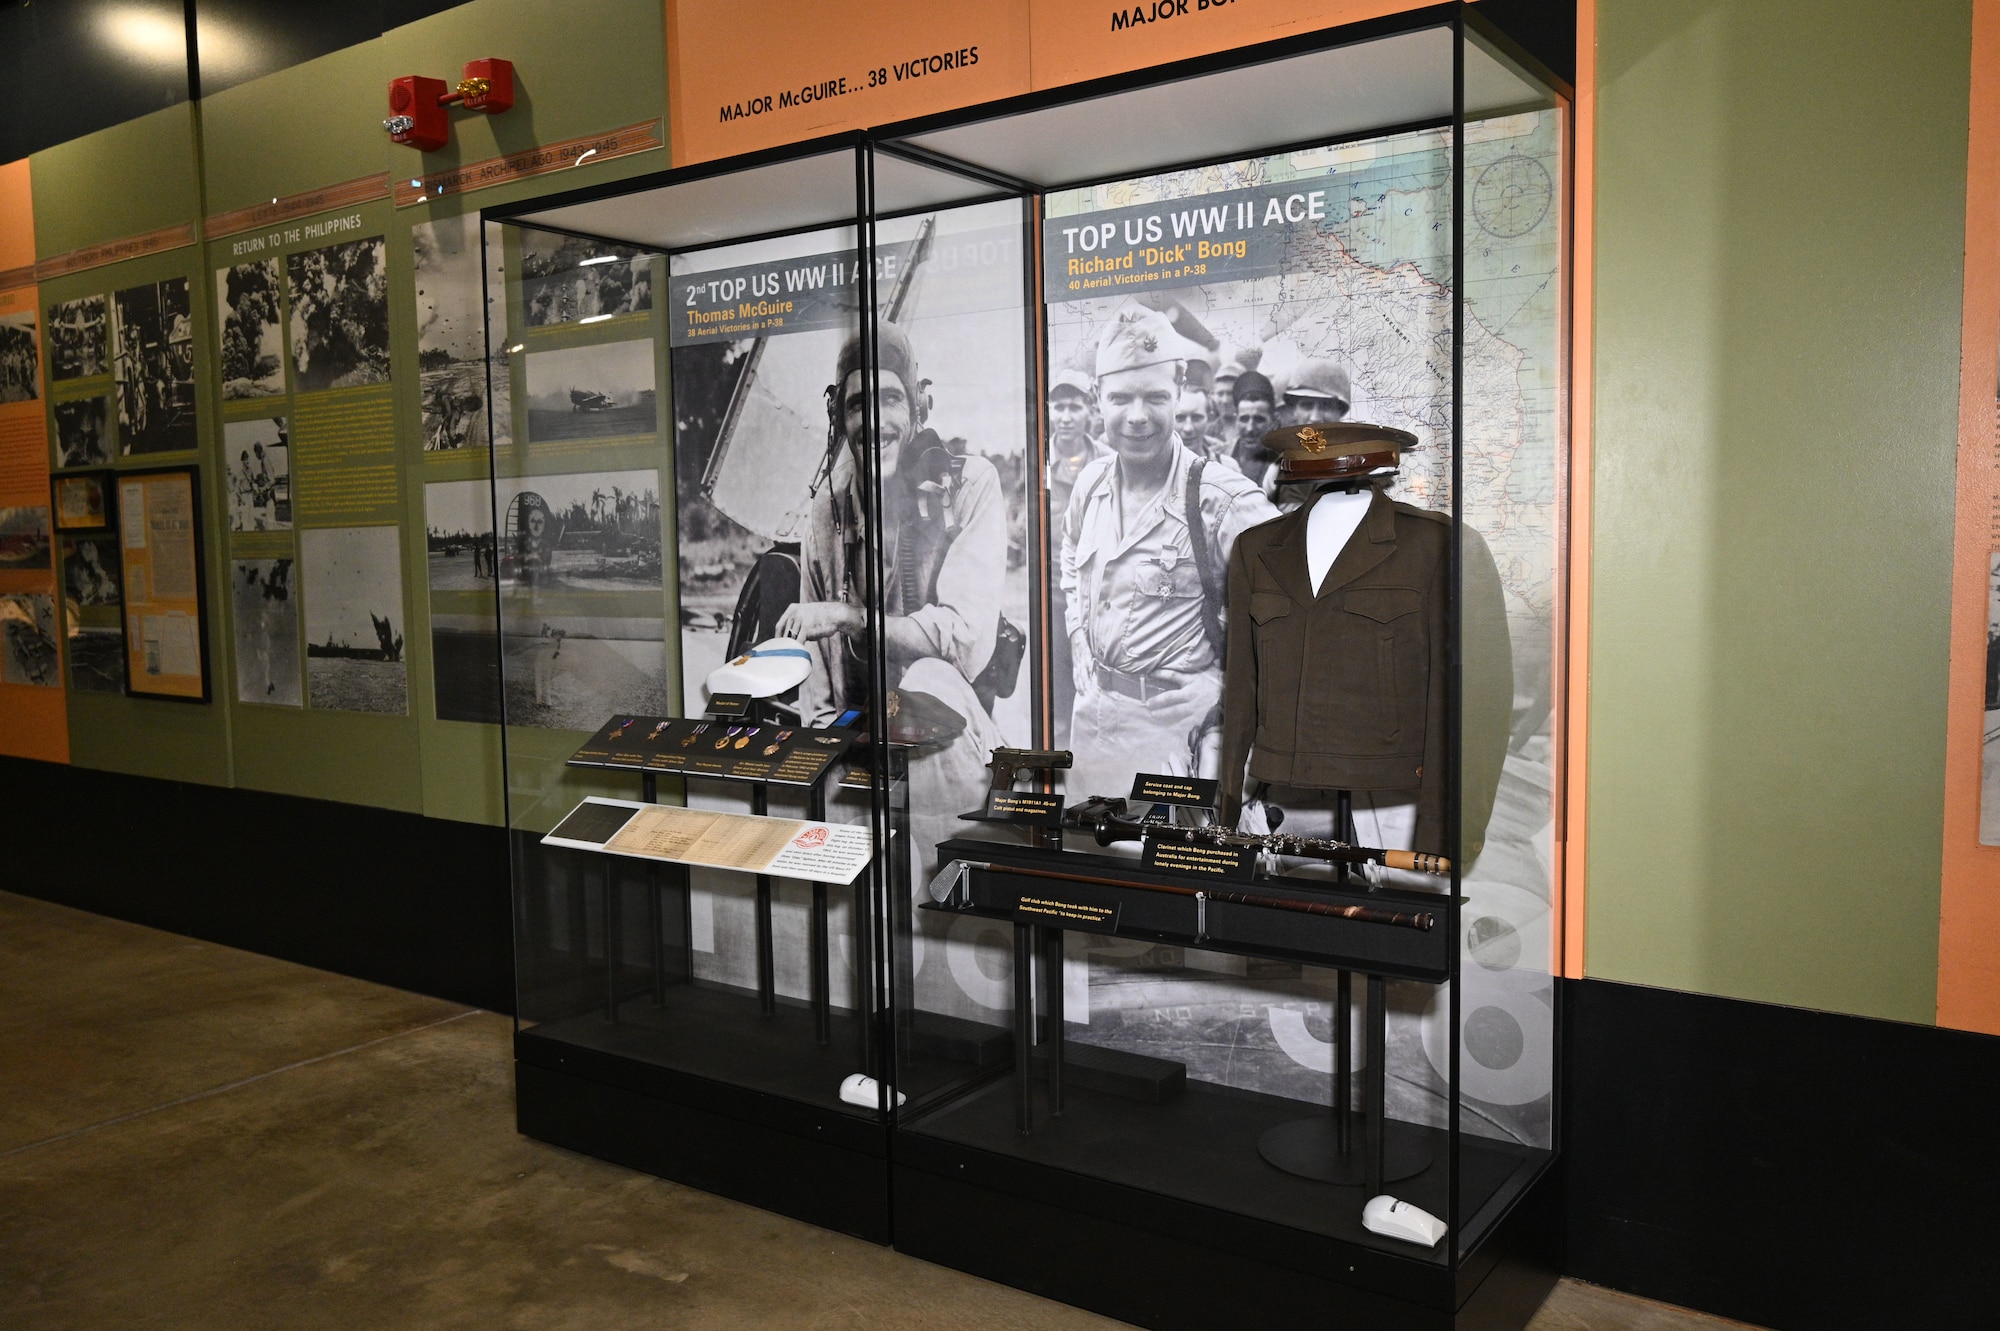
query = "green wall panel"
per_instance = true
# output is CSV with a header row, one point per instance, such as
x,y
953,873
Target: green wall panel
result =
x,y
123,181
301,129
578,70
1780,232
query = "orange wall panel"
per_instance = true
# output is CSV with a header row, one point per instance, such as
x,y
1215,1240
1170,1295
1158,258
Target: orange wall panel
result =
x,y
1969,905
756,73
1076,41
34,721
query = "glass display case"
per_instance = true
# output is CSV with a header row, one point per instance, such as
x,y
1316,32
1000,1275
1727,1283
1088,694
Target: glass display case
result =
x,y
1031,650
1252,967
703,751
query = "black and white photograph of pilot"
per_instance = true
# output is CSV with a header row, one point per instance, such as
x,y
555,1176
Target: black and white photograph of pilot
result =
x,y
601,391
28,651
590,531
77,343
267,632
82,436
20,366
259,468
459,316
352,585
568,279
339,330
91,571
771,451
153,367
253,340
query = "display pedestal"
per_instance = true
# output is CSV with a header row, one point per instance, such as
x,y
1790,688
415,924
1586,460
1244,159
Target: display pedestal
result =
x,y
813,1163
1033,1217
1311,1148
731,1089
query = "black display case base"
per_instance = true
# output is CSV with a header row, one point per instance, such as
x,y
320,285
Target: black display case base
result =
x,y
696,1091
1081,1209
1309,1148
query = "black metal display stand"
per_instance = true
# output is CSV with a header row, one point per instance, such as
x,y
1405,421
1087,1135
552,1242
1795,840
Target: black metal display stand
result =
x,y
1293,1239
1323,1147
733,1091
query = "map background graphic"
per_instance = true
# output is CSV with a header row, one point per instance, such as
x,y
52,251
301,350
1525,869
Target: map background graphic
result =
x,y
1370,286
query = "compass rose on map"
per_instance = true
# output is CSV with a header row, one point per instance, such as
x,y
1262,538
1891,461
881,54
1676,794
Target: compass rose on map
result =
x,y
1512,196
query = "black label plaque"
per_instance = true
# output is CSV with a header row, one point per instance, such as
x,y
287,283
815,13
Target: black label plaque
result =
x,y
1071,906
615,737
592,822
1235,864
729,704
1024,806
1190,791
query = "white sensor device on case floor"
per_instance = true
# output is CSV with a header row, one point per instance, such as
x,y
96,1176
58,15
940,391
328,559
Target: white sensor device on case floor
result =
x,y
861,1089
1394,1219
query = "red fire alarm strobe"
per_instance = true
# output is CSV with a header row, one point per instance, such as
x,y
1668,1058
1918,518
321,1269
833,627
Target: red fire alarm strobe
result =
x,y
417,105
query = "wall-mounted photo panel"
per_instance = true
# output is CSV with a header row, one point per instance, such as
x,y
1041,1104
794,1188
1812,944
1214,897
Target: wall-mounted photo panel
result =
x,y
353,587
153,368
85,501
591,531
257,455
28,653
267,632
83,434
92,573
96,659
21,368
458,534
165,605
253,342
340,315
24,537
453,309
568,279
594,392
569,672
20,363
465,665
1989,797
78,340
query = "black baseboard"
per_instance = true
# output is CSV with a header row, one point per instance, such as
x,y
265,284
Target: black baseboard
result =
x,y
418,903
825,1169
1131,1261
1788,1168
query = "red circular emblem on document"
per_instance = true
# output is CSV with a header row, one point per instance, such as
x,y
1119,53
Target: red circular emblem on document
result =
x,y
811,839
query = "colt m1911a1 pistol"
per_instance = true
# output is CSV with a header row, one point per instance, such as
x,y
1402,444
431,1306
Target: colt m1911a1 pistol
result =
x,y
1006,763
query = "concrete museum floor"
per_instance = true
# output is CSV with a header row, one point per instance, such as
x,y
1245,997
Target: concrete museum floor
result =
x,y
192,1136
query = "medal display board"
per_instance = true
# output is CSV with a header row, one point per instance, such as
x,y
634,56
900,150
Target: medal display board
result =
x,y
716,748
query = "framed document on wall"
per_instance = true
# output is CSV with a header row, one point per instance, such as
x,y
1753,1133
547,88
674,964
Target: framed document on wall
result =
x,y
166,613
84,500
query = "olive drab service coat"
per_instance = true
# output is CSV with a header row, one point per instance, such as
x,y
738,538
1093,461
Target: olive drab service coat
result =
x,y
1344,687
